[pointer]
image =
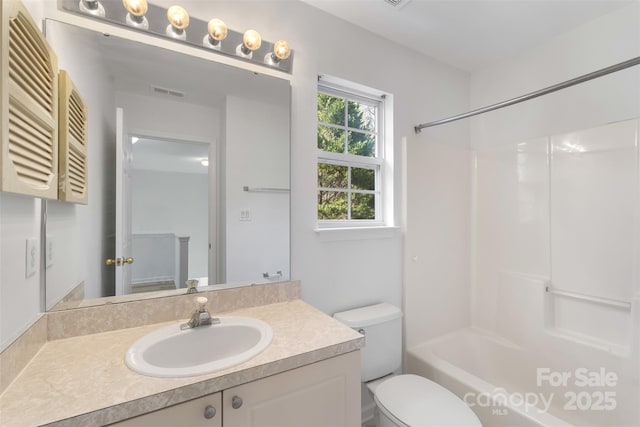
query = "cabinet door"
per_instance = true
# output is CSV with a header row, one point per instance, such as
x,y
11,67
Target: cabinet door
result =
x,y
28,106
73,171
324,394
193,413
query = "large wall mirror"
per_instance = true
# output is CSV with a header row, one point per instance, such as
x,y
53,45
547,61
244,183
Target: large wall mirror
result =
x,y
188,175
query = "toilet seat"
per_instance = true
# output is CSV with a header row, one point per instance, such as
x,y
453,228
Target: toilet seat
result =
x,y
416,401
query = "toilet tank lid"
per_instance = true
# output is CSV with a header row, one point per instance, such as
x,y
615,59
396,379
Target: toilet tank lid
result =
x,y
370,315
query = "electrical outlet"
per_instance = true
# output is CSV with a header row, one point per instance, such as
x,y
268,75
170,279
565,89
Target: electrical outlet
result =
x,y
49,252
245,215
31,261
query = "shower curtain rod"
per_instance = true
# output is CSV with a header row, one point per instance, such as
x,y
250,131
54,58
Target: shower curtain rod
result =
x,y
577,80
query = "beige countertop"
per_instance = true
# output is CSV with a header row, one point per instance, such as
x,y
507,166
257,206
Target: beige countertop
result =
x,y
84,381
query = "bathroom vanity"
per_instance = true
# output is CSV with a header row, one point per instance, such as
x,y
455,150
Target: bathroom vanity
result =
x,y
308,375
318,394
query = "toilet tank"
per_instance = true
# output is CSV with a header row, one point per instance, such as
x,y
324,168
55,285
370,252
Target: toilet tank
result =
x,y
382,328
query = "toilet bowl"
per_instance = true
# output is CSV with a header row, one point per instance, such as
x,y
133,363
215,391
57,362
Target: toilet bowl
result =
x,y
401,400
411,400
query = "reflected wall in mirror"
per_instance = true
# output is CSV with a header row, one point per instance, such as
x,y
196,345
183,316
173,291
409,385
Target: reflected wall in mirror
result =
x,y
174,140
168,245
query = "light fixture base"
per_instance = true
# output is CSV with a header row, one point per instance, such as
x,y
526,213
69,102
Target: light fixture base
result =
x,y
272,60
89,8
176,33
211,43
139,22
243,52
197,36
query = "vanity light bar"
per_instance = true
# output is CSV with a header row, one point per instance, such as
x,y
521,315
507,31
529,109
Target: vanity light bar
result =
x,y
194,32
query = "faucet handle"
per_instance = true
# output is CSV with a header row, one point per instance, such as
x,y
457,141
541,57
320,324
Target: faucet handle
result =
x,y
202,302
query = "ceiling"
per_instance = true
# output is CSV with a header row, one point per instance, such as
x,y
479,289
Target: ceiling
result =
x,y
469,34
138,68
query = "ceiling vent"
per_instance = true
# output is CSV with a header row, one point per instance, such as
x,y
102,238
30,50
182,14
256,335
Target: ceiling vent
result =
x,y
168,92
398,4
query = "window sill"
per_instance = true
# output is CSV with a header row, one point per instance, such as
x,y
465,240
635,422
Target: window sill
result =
x,y
357,233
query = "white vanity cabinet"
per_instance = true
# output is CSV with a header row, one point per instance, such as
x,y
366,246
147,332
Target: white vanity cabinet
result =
x,y
204,411
325,393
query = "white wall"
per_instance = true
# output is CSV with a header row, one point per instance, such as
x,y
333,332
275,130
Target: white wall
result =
x,y
20,218
36,10
163,117
338,275
341,274
19,295
437,280
174,202
256,155
605,41
77,230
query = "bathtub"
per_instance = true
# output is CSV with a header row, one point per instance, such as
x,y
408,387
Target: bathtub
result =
x,y
508,386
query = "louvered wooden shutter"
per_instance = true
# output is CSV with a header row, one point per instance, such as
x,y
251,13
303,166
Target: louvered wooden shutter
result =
x,y
72,173
29,97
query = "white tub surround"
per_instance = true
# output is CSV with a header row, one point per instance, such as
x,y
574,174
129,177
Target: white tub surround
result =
x,y
555,267
506,385
528,370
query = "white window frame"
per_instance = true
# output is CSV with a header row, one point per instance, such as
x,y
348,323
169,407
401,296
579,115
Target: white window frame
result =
x,y
354,92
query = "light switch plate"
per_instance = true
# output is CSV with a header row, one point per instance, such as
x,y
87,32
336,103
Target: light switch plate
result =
x,y
245,215
31,259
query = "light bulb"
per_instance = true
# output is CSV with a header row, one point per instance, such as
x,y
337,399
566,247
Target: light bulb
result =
x,y
252,40
217,31
281,50
137,9
178,17
178,21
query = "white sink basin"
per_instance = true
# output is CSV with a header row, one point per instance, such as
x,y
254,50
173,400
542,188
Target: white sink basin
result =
x,y
171,352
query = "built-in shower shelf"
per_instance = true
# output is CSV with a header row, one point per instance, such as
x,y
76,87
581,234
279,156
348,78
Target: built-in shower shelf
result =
x,y
599,322
582,339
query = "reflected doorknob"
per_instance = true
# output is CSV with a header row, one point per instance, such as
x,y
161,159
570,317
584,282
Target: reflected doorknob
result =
x,y
119,261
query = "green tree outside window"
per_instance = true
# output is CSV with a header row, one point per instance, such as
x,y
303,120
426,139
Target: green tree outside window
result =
x,y
348,127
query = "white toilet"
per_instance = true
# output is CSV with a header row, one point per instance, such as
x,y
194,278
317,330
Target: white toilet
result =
x,y
401,400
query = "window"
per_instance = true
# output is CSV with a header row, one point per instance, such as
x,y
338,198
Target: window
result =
x,y
350,157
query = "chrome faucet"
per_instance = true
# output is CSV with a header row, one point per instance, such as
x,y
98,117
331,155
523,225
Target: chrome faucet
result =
x,y
192,286
201,316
